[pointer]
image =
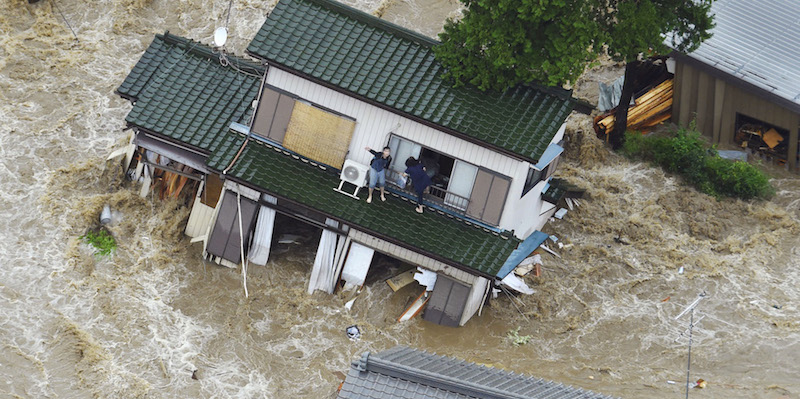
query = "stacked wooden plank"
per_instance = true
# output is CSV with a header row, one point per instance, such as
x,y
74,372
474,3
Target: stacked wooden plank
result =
x,y
649,109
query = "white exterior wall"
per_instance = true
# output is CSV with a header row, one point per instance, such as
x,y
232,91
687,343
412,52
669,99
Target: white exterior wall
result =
x,y
374,126
199,218
478,285
411,257
477,293
523,214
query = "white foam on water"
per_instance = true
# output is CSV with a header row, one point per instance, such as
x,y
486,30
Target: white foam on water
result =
x,y
141,322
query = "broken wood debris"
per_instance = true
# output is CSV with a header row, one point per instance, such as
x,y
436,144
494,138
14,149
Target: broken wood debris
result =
x,y
649,109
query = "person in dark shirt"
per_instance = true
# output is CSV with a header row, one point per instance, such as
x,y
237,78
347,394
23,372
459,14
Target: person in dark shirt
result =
x,y
377,171
419,178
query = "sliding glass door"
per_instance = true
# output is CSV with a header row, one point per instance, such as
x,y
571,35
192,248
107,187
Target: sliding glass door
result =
x,y
401,150
460,186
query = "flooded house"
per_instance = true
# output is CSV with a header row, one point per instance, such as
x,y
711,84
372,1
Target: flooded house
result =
x,y
285,136
742,86
406,373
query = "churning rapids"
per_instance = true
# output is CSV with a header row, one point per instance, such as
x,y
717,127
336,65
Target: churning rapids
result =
x,y
142,322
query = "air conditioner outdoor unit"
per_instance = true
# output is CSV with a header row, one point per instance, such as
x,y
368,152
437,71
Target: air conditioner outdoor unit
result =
x,y
355,174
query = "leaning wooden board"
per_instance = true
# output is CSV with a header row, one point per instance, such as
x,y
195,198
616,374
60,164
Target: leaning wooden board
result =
x,y
415,307
401,280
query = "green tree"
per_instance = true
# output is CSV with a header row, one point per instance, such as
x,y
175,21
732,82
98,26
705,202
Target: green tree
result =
x,y
501,43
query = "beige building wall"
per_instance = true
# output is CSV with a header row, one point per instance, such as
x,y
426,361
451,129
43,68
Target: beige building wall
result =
x,y
714,102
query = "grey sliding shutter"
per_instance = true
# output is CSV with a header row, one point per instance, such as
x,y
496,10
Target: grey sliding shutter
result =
x,y
488,197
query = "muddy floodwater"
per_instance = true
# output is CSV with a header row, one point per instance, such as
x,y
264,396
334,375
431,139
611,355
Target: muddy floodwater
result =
x,y
143,322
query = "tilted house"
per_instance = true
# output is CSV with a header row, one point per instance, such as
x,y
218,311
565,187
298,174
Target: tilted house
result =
x,y
744,81
405,373
273,137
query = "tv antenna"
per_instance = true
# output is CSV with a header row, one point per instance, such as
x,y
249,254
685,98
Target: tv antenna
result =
x,y
688,332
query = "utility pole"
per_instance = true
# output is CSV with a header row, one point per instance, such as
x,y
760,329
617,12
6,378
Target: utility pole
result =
x,y
690,309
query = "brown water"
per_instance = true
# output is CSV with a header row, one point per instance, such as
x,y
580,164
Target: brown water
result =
x,y
138,324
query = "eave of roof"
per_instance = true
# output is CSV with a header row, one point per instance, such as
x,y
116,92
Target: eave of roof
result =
x,y
755,46
183,93
439,236
387,66
402,373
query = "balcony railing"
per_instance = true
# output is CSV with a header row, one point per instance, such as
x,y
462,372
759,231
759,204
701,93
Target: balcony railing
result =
x,y
436,195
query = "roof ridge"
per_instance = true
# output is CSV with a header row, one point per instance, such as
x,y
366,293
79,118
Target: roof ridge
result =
x,y
370,19
205,51
374,363
518,122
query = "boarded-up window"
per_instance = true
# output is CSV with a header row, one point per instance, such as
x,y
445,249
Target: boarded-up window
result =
x,y
273,114
488,197
319,135
224,240
448,299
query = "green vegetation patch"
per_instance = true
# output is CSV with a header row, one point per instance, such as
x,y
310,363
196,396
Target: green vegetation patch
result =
x,y
686,154
516,339
103,242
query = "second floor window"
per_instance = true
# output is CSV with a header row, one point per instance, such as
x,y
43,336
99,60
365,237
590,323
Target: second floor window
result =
x,y
457,185
536,175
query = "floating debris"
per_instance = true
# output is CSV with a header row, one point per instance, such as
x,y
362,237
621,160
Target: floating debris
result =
x,y
353,333
105,215
700,384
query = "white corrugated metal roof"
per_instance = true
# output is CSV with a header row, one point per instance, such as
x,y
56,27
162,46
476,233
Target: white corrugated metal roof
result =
x,y
758,42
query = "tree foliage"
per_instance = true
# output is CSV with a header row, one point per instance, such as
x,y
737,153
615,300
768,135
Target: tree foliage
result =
x,y
500,43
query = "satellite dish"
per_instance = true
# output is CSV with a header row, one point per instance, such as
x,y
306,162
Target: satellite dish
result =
x,y
220,36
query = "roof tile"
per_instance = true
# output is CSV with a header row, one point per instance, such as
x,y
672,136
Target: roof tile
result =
x,y
385,63
404,373
437,234
181,91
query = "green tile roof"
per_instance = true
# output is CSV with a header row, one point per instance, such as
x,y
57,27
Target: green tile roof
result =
x,y
181,90
368,57
283,175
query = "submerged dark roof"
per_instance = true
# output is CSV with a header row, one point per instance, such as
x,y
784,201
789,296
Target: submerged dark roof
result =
x,y
437,235
181,90
380,62
405,373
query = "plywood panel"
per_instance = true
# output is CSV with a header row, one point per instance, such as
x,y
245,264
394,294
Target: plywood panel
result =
x,y
719,100
687,92
704,97
319,135
677,89
211,190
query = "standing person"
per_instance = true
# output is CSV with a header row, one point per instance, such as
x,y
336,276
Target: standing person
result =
x,y
419,178
377,171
